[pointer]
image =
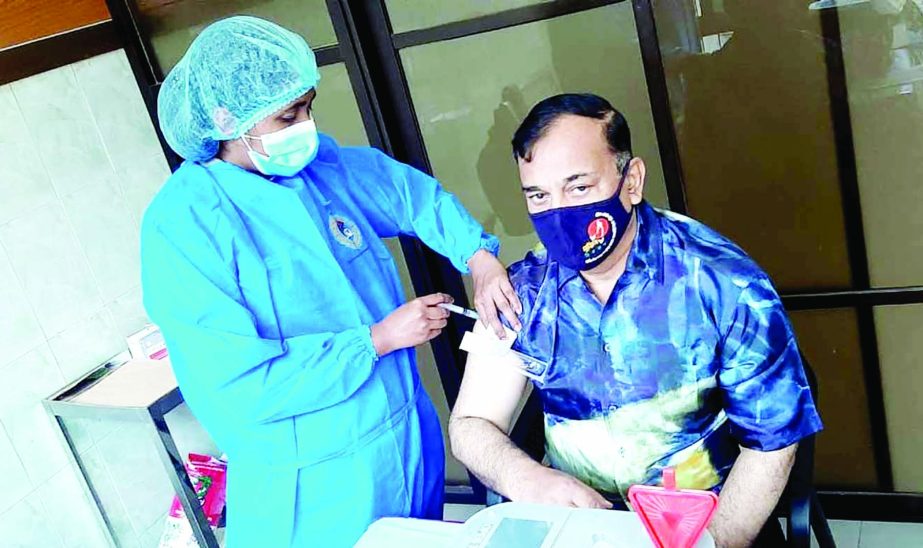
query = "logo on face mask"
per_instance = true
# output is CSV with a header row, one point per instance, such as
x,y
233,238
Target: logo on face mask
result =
x,y
600,233
582,236
345,232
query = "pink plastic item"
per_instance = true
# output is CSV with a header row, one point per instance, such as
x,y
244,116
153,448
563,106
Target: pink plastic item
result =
x,y
208,477
674,518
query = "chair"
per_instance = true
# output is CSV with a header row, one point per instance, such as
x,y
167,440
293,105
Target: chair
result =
x,y
798,504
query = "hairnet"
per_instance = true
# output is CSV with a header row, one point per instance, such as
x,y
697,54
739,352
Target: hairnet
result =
x,y
235,73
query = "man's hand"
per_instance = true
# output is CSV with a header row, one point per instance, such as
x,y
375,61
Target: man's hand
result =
x,y
493,292
412,324
545,485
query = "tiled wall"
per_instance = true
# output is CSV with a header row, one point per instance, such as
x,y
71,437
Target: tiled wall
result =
x,y
79,161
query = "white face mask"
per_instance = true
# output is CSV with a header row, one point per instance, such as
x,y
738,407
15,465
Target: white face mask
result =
x,y
287,151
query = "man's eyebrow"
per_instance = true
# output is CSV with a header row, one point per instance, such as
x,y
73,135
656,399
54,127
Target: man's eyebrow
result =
x,y
530,188
574,177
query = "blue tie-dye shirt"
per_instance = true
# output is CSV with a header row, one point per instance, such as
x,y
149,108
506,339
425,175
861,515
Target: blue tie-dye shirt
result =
x,y
691,357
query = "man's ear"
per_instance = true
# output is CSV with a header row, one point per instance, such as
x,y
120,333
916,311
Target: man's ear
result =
x,y
634,180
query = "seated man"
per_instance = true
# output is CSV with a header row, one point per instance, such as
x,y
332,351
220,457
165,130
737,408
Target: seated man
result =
x,y
667,345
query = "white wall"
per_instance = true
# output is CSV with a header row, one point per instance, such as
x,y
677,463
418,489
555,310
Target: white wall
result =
x,y
79,160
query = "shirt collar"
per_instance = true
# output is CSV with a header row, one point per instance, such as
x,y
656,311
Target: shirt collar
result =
x,y
646,254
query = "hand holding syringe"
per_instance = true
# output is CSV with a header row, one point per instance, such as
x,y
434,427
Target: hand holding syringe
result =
x,y
487,343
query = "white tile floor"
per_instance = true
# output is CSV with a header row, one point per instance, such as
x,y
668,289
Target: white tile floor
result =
x,y
877,534
848,534
459,512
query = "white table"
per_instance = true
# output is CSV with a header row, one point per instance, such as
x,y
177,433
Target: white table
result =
x,y
517,525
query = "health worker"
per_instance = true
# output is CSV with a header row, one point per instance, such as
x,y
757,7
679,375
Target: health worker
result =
x,y
288,331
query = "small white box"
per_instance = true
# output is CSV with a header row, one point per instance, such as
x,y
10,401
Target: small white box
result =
x,y
147,344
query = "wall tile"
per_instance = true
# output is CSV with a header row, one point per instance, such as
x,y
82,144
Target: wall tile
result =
x,y
26,525
39,447
127,311
25,181
28,379
71,511
85,344
845,533
58,118
142,181
108,234
112,96
95,462
14,484
19,329
79,162
86,433
878,534
52,268
138,474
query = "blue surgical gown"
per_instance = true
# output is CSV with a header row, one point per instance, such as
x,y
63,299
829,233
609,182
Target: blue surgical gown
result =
x,y
265,291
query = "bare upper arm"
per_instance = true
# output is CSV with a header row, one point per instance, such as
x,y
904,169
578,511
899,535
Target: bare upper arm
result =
x,y
779,455
491,388
770,465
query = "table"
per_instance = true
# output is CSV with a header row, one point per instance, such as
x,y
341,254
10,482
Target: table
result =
x,y
127,389
518,525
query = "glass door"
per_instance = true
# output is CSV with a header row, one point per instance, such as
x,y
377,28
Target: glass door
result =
x,y
788,125
462,76
798,130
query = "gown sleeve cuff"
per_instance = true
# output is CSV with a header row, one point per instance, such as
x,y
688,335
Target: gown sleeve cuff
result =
x,y
366,344
489,243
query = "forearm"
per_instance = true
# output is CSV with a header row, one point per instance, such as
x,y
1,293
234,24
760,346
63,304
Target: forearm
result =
x,y
489,453
750,493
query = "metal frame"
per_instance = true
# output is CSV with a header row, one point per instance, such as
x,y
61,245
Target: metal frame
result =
x,y
24,60
363,31
154,419
862,297
495,21
855,241
137,50
659,96
868,506
430,272
370,51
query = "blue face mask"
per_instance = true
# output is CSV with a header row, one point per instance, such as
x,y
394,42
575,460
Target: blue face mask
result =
x,y
581,237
